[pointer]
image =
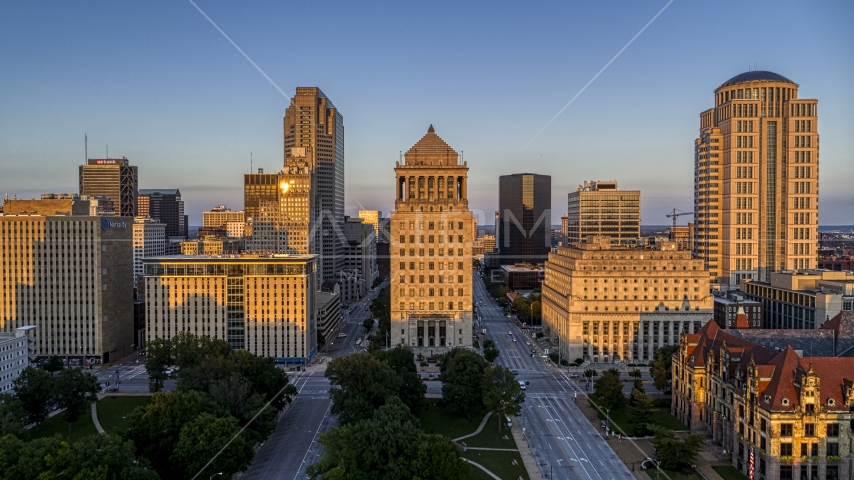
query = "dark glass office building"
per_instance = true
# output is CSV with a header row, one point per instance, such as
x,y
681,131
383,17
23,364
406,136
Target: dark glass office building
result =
x,y
166,206
113,178
523,231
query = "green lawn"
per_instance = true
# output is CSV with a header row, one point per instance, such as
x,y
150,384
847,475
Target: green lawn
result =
x,y
728,472
439,420
662,417
113,411
83,427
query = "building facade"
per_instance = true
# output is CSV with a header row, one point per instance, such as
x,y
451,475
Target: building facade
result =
x,y
149,240
524,218
431,261
372,217
220,216
781,412
16,350
312,122
756,179
600,209
113,178
613,303
360,253
69,275
258,189
804,299
166,206
329,314
263,304
729,308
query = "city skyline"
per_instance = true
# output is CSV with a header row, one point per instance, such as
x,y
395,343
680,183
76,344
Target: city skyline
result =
x,y
188,101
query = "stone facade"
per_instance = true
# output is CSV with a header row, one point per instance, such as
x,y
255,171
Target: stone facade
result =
x,y
614,303
791,414
432,232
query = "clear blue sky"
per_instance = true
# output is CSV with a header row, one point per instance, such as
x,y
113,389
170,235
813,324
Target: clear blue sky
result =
x,y
160,85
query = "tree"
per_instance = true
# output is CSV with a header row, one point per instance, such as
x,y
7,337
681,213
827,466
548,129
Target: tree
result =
x,y
368,324
641,416
662,367
202,438
360,385
53,364
158,356
502,394
636,373
461,374
673,452
639,386
34,389
609,391
103,457
589,374
188,350
412,389
381,310
13,417
155,428
76,390
389,446
490,354
523,309
488,343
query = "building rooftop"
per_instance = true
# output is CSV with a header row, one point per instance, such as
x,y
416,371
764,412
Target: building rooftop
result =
x,y
431,150
233,257
756,75
162,191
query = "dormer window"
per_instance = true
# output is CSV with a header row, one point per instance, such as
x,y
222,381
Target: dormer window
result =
x,y
809,409
766,398
784,402
831,402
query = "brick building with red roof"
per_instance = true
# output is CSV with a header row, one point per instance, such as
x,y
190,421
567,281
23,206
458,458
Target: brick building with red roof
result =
x,y
780,400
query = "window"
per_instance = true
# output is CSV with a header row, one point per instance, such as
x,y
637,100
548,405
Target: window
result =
x,y
832,429
785,472
809,429
786,449
832,449
786,430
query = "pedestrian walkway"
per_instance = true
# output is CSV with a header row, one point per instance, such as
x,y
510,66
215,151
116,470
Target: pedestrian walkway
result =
x,y
95,419
496,477
525,452
479,428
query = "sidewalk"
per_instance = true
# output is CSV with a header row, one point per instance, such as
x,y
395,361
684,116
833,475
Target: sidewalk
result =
x,y
633,452
528,459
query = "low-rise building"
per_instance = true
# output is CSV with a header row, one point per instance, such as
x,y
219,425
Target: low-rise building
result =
x,y
329,313
728,308
523,276
263,304
781,401
16,353
803,298
605,302
220,216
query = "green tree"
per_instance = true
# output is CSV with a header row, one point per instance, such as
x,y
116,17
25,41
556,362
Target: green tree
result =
x,y
24,460
155,428
502,394
202,438
673,452
360,385
636,373
75,392
389,446
13,417
368,324
661,368
158,356
608,391
53,364
589,374
381,310
641,415
102,457
638,385
523,309
461,374
490,354
488,343
34,388
412,389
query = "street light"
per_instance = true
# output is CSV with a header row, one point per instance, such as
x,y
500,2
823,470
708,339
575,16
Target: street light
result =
x,y
551,467
215,475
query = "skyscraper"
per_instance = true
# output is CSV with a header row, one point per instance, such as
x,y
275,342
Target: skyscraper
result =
x,y
372,218
525,216
312,122
598,208
166,206
756,179
432,232
114,179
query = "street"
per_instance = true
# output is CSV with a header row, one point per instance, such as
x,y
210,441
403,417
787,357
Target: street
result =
x,y
563,441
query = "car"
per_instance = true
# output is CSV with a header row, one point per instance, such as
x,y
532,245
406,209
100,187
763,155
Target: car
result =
x,y
522,385
359,341
342,335
528,343
514,372
527,382
514,340
509,333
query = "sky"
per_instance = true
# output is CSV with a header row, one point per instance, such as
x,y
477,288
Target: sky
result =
x,y
157,83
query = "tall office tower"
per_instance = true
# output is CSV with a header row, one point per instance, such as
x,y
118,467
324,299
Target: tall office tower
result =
x,y
313,123
611,303
525,217
166,206
69,274
265,305
599,209
372,217
756,179
149,240
221,216
431,251
114,179
360,254
258,188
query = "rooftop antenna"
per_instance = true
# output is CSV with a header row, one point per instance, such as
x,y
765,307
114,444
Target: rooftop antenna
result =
x,y
108,151
250,163
86,147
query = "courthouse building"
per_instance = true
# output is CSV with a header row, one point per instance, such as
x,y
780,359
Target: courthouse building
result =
x,y
610,303
432,232
263,304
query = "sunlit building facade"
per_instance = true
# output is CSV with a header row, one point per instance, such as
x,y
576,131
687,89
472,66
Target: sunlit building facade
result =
x,y
113,178
600,209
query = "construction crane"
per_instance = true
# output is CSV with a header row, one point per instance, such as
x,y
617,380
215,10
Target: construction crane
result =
x,y
677,213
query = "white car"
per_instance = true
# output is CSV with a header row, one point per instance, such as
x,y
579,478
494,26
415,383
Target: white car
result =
x,y
342,335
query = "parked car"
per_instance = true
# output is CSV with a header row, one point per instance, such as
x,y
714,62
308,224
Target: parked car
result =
x,y
522,385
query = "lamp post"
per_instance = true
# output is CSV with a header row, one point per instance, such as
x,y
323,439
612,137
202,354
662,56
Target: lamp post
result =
x,y
551,467
215,475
